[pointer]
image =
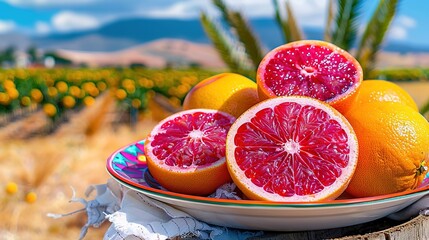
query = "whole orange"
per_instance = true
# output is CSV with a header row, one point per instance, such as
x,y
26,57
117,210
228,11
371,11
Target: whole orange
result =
x,y
393,148
228,92
380,91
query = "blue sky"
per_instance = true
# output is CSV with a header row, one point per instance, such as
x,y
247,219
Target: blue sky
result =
x,y
50,16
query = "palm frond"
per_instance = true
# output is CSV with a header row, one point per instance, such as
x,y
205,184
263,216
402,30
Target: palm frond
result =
x,y
247,38
243,32
283,26
295,30
329,19
229,51
346,23
374,34
223,10
289,26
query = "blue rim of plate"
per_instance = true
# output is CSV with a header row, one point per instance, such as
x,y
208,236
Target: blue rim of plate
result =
x,y
128,166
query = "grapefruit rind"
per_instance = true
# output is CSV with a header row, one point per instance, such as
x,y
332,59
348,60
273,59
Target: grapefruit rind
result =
x,y
195,178
266,92
200,181
255,192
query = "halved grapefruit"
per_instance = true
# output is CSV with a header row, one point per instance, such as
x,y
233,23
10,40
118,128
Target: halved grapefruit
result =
x,y
186,151
310,68
291,149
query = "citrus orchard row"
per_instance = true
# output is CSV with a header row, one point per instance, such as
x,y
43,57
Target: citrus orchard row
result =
x,y
308,130
53,90
402,74
58,90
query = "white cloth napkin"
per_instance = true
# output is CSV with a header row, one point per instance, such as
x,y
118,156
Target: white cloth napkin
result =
x,y
136,216
141,217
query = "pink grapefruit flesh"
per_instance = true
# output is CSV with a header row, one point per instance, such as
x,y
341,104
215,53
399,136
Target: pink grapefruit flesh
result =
x,y
309,68
186,151
291,149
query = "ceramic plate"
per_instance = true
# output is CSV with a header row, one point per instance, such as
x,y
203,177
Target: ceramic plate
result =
x,y
128,167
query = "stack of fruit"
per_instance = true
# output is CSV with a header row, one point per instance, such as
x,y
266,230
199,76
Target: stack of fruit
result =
x,y
308,130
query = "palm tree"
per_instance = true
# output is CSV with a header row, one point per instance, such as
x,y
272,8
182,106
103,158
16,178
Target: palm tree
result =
x,y
241,50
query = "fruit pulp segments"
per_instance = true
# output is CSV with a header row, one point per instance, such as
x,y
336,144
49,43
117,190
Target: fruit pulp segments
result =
x,y
191,140
292,149
310,70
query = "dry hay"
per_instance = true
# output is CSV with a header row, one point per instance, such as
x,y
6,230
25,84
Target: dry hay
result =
x,y
51,166
72,157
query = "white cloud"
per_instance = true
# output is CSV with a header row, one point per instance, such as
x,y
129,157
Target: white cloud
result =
x,y
44,3
85,14
310,13
42,27
182,9
400,27
252,8
6,26
70,21
397,33
307,12
406,21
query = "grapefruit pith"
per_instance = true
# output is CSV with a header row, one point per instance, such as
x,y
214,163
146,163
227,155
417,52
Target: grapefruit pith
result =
x,y
291,149
186,151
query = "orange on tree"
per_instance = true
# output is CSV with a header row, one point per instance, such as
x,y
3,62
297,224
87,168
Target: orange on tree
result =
x,y
120,94
13,93
68,101
50,109
52,92
36,95
62,86
101,86
310,68
4,98
228,92
75,91
8,84
88,101
25,101
393,148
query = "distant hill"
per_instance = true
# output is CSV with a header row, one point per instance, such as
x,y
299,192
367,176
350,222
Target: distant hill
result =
x,y
158,42
126,33
17,40
157,54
